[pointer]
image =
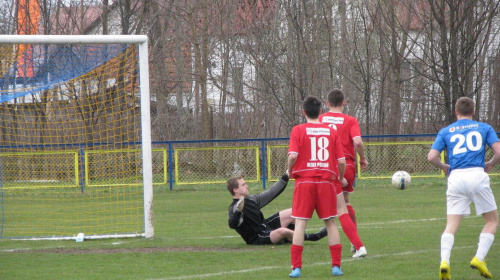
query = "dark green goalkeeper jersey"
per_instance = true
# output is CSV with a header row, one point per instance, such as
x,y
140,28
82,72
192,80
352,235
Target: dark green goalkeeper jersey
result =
x,y
250,222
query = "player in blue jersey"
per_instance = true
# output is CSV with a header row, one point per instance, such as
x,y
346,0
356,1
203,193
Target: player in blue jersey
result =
x,y
465,141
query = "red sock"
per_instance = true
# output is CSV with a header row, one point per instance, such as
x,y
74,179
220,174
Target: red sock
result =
x,y
336,254
352,213
296,253
350,230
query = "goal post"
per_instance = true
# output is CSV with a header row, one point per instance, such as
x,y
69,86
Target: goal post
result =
x,y
61,97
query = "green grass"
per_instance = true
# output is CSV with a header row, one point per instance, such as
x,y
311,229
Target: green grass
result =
x,y
401,230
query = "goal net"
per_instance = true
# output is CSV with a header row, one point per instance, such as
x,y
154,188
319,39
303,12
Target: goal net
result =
x,y
75,144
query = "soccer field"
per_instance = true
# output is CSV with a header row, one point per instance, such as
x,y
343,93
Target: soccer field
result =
x,y
400,229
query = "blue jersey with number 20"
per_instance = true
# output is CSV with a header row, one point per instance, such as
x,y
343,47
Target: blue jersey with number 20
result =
x,y
465,143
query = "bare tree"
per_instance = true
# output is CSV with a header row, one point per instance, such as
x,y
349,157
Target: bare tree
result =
x,y
241,68
457,58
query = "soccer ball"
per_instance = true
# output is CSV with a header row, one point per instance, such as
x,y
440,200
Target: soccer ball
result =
x,y
401,180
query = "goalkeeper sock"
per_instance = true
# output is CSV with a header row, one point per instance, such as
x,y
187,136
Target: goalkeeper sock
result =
x,y
311,237
316,236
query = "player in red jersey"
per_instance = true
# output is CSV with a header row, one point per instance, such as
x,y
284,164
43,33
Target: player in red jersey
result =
x,y
316,162
350,136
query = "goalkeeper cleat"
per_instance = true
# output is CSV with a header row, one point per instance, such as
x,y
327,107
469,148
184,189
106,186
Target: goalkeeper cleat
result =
x,y
444,271
360,253
336,271
295,273
481,266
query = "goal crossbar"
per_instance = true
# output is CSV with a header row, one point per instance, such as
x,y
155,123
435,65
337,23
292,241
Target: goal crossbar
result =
x,y
73,39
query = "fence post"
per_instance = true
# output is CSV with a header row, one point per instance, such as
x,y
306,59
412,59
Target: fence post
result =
x,y
263,159
81,166
170,173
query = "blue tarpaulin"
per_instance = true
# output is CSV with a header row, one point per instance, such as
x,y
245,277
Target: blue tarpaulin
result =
x,y
54,65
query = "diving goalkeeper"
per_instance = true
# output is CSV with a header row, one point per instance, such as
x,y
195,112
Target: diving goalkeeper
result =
x,y
246,218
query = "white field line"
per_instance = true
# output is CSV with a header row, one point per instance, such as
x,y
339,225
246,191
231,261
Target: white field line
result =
x,y
114,242
401,222
196,276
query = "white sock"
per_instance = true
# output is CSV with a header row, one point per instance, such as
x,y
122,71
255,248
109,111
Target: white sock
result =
x,y
484,245
447,240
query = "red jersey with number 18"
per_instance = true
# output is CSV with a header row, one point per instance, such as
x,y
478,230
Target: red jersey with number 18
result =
x,y
318,147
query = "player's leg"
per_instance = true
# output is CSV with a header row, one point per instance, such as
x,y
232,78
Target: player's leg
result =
x,y
302,210
297,247
486,239
352,214
447,240
334,246
286,217
350,209
300,228
350,175
348,226
486,206
457,205
491,225
283,228
277,230
281,234
326,208
448,236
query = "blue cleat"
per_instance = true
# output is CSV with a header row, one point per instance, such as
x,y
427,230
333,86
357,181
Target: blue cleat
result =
x,y
336,271
295,273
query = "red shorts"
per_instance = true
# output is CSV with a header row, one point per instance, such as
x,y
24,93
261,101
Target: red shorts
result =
x,y
350,176
338,187
314,194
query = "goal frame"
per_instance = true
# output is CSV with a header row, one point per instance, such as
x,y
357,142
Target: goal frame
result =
x,y
142,42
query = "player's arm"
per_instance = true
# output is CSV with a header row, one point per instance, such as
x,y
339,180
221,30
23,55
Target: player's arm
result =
x,y
293,151
263,198
338,152
495,159
360,149
292,159
433,157
341,166
235,216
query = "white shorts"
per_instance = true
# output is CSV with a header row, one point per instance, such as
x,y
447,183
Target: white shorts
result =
x,y
466,186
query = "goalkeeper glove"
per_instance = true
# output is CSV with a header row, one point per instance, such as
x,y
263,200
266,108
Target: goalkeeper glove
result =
x,y
285,177
240,204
